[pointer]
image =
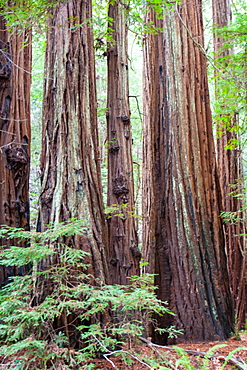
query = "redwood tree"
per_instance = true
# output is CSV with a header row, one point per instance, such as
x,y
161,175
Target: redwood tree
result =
x,y
15,81
124,254
230,168
70,172
182,213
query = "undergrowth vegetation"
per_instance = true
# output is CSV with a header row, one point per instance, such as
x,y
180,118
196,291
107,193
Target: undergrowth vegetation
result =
x,y
59,316
59,303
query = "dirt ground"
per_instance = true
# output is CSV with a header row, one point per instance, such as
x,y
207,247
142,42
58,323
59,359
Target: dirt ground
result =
x,y
238,358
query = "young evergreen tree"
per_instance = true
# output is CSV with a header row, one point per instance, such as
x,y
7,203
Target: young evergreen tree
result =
x,y
187,255
230,166
15,82
124,255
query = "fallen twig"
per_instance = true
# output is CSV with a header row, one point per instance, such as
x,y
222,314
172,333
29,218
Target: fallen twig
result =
x,y
128,353
152,346
118,352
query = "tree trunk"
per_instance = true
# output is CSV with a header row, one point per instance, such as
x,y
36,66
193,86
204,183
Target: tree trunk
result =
x,y
230,173
189,256
15,136
70,172
123,244
154,111
70,181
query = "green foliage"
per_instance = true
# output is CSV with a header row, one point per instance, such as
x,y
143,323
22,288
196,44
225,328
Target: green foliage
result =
x,y
186,363
230,355
134,12
209,354
184,359
120,210
27,14
31,304
172,331
27,333
237,191
232,217
231,71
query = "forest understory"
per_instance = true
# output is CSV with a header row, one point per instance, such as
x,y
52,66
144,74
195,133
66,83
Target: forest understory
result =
x,y
230,354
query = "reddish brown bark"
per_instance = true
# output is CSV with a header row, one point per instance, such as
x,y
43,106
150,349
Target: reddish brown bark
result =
x,y
15,81
189,256
70,172
230,173
154,108
71,186
124,254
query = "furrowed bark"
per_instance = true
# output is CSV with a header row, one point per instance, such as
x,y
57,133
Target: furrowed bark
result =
x,y
124,254
189,255
15,136
70,172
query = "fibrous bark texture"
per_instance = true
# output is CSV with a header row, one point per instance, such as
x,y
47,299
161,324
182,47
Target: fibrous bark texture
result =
x,y
154,110
15,81
71,186
124,254
230,173
183,215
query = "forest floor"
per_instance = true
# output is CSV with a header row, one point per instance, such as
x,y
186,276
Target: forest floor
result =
x,y
228,355
167,357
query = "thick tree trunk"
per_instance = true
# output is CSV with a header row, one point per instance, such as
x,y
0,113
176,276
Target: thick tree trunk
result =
x,y
189,256
15,82
123,245
154,111
70,182
230,173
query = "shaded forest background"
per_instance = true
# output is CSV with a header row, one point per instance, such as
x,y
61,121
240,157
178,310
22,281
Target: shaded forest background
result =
x,y
122,177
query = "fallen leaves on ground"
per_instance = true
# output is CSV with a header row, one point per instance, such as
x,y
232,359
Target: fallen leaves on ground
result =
x,y
197,362
146,356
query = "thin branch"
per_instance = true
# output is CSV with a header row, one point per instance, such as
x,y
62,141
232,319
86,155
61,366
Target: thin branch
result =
x,y
130,354
202,49
118,351
138,106
152,346
12,142
103,346
11,61
15,120
8,132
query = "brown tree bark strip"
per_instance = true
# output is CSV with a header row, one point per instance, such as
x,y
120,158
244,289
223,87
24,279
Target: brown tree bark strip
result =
x,y
124,254
154,111
15,136
230,173
189,256
71,185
